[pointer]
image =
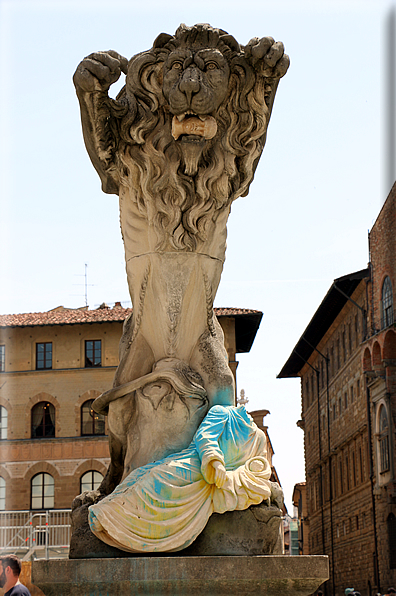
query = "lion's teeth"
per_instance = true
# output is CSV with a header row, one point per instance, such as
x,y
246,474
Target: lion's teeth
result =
x,y
180,117
203,118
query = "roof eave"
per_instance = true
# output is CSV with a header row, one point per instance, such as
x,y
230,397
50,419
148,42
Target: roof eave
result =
x,y
341,289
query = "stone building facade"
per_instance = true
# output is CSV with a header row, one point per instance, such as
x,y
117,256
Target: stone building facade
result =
x,y
52,365
346,359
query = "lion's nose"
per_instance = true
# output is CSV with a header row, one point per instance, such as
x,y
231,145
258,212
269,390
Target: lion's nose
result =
x,y
190,85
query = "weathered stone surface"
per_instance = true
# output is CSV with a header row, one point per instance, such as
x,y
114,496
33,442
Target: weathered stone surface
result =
x,y
179,576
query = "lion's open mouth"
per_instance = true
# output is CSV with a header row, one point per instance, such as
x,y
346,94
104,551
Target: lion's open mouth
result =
x,y
193,125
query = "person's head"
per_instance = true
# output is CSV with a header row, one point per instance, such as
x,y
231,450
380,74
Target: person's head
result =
x,y
10,570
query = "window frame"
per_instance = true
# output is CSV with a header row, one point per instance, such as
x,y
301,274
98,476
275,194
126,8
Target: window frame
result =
x,y
387,315
47,355
95,417
45,422
43,496
2,357
3,490
383,440
92,483
3,427
96,348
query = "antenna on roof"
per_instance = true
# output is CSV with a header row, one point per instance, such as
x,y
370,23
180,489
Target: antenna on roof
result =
x,y
86,284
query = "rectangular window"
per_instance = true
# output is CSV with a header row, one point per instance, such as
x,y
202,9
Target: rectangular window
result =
x,y
347,471
350,338
93,353
345,400
361,465
354,468
2,358
384,454
352,396
44,356
341,476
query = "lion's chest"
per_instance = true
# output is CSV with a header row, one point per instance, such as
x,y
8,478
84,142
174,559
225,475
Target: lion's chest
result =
x,y
141,236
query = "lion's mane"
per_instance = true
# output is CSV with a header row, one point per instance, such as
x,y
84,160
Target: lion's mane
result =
x,y
181,205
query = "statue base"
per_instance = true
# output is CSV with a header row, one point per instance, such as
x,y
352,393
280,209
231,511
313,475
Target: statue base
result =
x,y
253,531
179,576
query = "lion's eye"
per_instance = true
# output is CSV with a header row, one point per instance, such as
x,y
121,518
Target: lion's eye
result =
x,y
211,66
177,66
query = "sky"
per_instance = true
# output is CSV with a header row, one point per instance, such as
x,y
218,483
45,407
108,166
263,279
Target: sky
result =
x,y
317,191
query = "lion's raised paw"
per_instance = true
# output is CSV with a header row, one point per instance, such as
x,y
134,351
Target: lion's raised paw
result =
x,y
267,56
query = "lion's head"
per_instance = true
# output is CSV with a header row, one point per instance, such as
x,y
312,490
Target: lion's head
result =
x,y
193,131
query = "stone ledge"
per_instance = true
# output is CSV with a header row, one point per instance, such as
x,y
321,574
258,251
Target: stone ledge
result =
x,y
178,576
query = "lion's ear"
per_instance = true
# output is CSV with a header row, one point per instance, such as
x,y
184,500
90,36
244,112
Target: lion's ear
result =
x,y
162,40
231,42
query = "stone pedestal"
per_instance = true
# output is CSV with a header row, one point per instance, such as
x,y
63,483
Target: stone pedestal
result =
x,y
270,575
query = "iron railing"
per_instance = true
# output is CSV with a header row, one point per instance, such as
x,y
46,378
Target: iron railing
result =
x,y
33,534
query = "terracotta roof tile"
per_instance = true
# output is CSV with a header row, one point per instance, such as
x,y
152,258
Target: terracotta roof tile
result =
x,y
69,316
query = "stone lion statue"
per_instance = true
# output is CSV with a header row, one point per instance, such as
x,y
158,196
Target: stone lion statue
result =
x,y
179,144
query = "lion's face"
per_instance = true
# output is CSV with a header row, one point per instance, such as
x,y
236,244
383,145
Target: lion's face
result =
x,y
195,84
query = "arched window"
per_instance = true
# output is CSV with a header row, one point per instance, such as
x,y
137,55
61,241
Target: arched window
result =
x,y
383,439
3,422
91,422
43,491
2,493
43,420
90,480
387,303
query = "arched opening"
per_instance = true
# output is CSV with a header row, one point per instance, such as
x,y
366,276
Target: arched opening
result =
x,y
91,480
389,350
367,360
377,362
43,420
42,491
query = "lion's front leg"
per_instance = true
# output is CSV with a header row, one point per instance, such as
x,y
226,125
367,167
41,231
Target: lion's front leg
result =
x,y
92,79
269,60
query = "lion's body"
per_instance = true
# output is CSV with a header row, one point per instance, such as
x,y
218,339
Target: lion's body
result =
x,y
178,145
